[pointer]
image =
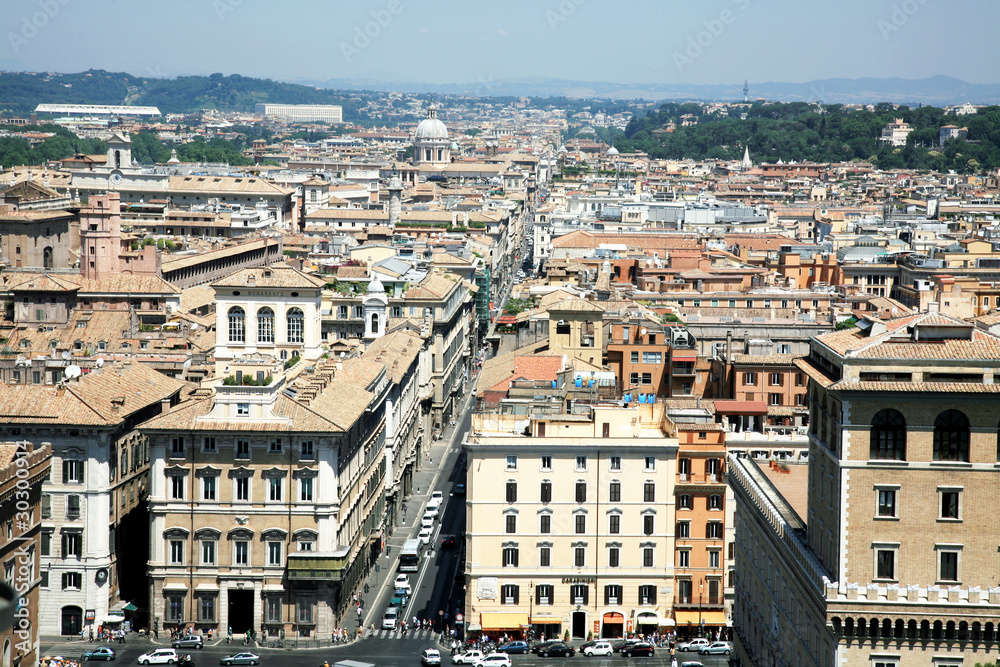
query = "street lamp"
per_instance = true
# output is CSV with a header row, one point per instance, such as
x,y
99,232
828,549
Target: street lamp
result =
x,y
701,588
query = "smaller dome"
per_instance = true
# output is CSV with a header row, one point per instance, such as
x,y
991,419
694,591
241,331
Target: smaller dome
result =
x,y
376,287
613,151
454,146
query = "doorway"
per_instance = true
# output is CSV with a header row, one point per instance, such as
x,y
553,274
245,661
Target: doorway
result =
x,y
72,620
579,624
240,610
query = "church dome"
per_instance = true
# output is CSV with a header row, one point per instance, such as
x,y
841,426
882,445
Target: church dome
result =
x,y
376,287
613,151
431,128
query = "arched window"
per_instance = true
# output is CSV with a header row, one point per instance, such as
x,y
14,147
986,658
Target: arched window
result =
x,y
265,325
951,436
888,436
47,257
374,323
237,325
294,325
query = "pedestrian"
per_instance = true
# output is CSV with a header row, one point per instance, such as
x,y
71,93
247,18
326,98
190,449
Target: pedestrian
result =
x,y
454,646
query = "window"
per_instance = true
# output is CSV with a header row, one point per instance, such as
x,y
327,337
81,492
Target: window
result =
x,y
208,552
581,492
648,521
615,492
208,487
684,558
304,610
684,466
649,463
612,594
546,463
72,471
510,557
948,563
647,378
342,312
545,492
71,545
647,594
578,593
886,503
397,311
951,436
265,325
616,463
647,557
614,557
358,312
177,447
649,492
776,380
242,489
684,502
715,502
579,556
275,446
510,524
633,379
274,489
749,379
774,399
294,321
634,357
241,552
306,450
242,449
511,492
511,462
273,609
713,530
509,594
242,409
237,325
176,552
581,463
208,445
206,610
614,524
176,487
544,523
713,558
652,357
72,581
888,436
950,500
544,556
274,553
580,524
544,594
46,546
73,507
306,489
885,561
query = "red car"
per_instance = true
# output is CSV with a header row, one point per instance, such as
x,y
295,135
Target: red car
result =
x,y
642,648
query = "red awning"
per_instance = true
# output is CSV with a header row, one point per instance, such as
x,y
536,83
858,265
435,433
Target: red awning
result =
x,y
613,617
741,407
684,356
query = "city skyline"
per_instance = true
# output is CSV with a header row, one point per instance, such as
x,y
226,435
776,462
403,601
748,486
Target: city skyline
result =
x,y
576,40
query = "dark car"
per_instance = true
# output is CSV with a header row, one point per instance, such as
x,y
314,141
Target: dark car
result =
x,y
99,653
513,647
557,650
537,648
448,542
459,489
640,648
618,647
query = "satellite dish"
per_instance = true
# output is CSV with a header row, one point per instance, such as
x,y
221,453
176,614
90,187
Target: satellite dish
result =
x,y
65,354
73,371
99,362
342,355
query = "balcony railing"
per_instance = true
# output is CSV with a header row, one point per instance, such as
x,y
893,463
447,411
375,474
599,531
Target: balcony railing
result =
x,y
711,478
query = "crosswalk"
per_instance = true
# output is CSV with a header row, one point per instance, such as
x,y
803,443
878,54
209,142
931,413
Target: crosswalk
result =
x,y
423,634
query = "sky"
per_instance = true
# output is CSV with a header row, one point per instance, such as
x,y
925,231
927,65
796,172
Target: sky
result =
x,y
470,41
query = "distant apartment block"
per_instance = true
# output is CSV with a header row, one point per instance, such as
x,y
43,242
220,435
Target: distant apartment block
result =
x,y
327,113
895,133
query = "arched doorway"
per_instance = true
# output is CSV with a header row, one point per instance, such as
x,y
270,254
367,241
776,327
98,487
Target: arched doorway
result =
x,y
72,620
613,625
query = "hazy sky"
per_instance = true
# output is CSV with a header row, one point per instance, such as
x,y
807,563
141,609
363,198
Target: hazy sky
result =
x,y
445,41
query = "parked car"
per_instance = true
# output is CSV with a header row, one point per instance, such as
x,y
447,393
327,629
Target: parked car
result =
x,y
538,648
513,647
692,663
437,496
99,653
618,647
430,657
494,660
600,647
244,658
161,656
389,618
695,644
717,648
425,535
557,650
448,542
402,582
642,648
191,641
427,522
467,658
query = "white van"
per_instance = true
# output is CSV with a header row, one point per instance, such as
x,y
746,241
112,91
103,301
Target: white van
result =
x,y
389,618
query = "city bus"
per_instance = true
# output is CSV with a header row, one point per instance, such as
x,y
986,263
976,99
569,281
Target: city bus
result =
x,y
409,557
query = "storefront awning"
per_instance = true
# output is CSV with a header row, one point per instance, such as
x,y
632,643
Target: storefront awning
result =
x,y
647,618
503,620
546,620
613,617
694,617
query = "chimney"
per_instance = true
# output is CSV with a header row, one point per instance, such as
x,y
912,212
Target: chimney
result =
x,y
164,405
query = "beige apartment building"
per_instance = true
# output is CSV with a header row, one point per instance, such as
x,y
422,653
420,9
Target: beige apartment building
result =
x,y
570,523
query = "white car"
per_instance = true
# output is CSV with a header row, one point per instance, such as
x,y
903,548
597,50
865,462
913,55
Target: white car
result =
x,y
426,522
389,618
403,581
695,644
425,535
161,656
437,496
467,658
432,510
494,660
599,648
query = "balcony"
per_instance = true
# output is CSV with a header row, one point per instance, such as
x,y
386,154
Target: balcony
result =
x,y
710,478
314,566
688,602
